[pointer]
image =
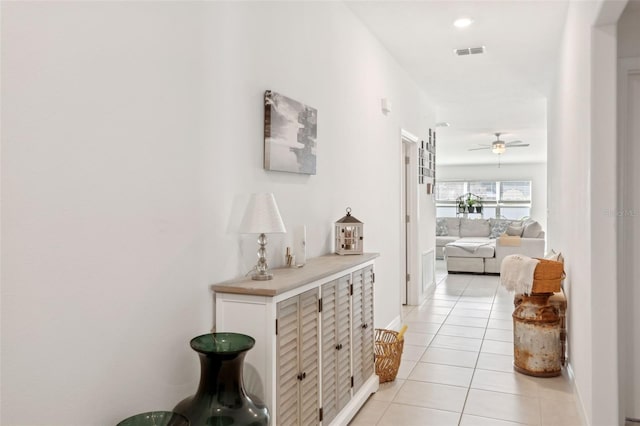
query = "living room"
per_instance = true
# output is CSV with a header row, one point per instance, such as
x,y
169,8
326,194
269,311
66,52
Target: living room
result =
x,y
132,137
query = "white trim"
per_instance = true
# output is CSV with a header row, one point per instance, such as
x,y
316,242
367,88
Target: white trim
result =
x,y
409,137
578,401
429,287
358,400
395,324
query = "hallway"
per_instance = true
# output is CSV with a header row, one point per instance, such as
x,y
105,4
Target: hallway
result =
x,y
457,366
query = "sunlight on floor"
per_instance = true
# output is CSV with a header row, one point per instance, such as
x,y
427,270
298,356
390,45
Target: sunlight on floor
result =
x,y
457,365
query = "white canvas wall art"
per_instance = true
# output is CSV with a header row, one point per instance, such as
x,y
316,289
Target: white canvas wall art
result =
x,y
290,130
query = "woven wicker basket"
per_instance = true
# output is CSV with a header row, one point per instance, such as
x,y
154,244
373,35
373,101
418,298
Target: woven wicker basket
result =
x,y
388,349
548,276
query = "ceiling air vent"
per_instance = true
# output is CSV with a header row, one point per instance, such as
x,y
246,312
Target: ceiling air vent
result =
x,y
469,51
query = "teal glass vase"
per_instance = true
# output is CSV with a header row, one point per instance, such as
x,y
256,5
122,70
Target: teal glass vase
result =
x,y
221,399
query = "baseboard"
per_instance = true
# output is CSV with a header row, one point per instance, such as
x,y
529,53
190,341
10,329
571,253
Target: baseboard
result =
x,y
579,404
351,409
395,324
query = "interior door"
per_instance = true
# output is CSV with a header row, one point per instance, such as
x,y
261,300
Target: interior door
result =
x,y
629,232
405,209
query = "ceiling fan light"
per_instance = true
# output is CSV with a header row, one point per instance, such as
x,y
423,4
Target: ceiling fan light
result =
x,y
498,147
462,22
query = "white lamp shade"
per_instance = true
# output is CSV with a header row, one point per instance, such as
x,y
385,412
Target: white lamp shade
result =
x,y
262,216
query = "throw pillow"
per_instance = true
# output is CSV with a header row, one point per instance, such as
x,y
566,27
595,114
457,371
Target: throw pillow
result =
x,y
453,226
531,229
552,255
441,227
498,227
515,231
474,228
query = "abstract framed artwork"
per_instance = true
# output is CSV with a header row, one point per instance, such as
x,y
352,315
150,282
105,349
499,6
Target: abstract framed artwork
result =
x,y
290,130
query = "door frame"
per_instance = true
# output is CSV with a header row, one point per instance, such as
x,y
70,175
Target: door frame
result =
x,y
409,231
627,67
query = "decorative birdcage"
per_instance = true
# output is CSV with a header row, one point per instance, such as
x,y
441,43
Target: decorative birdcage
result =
x,y
349,234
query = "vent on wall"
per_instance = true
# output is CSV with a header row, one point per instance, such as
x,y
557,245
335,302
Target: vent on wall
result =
x,y
469,51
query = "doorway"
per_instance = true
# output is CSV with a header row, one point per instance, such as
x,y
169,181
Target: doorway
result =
x,y
629,232
409,263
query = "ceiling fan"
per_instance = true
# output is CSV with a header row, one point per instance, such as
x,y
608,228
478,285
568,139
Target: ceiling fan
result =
x,y
499,147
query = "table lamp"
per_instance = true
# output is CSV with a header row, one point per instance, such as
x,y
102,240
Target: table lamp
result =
x,y
262,217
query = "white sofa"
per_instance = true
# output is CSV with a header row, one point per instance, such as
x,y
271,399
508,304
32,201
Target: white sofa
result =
x,y
479,245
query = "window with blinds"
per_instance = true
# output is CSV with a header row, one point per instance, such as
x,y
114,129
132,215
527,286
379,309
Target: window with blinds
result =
x,y
506,199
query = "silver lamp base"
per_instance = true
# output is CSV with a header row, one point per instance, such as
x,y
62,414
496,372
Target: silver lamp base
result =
x,y
262,277
262,269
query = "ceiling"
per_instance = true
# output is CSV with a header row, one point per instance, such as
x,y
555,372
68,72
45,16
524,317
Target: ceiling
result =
x,y
503,90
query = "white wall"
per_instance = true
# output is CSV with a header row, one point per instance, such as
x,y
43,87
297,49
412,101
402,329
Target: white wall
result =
x,y
581,176
535,172
132,135
629,31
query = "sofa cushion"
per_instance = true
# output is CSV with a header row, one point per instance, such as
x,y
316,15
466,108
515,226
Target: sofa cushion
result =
x,y
498,227
531,229
474,228
442,241
471,247
441,227
453,226
514,230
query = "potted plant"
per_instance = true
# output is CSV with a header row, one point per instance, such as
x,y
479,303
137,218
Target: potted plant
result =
x,y
471,205
461,207
478,208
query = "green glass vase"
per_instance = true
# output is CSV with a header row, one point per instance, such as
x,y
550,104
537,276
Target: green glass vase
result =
x,y
155,418
221,399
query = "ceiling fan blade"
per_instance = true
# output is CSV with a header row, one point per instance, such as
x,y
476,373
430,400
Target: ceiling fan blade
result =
x,y
518,146
476,149
513,143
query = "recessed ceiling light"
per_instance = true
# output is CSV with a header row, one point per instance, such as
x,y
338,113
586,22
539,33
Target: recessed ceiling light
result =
x,y
462,22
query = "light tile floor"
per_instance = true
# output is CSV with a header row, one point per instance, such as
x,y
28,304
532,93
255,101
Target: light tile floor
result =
x,y
457,366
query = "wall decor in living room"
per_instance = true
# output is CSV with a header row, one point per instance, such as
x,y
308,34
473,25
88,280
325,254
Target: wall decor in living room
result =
x,y
427,162
290,129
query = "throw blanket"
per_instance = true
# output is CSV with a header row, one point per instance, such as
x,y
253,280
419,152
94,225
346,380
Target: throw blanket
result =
x,y
516,273
470,245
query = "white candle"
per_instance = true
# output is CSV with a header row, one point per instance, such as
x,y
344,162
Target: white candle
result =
x,y
300,244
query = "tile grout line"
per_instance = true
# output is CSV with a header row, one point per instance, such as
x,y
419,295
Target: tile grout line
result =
x,y
475,367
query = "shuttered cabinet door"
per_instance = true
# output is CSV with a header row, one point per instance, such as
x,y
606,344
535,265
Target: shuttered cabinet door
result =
x,y
336,343
362,305
329,358
344,339
297,360
309,359
287,348
368,362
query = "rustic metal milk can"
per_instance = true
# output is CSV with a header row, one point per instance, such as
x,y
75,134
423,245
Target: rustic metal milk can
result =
x,y
536,337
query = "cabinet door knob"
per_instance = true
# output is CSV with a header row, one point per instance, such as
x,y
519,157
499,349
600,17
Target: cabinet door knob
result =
x,y
365,325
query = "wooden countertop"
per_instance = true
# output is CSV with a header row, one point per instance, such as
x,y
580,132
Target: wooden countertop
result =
x,y
286,279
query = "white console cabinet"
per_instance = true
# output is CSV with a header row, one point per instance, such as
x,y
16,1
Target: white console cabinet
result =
x,y
313,362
